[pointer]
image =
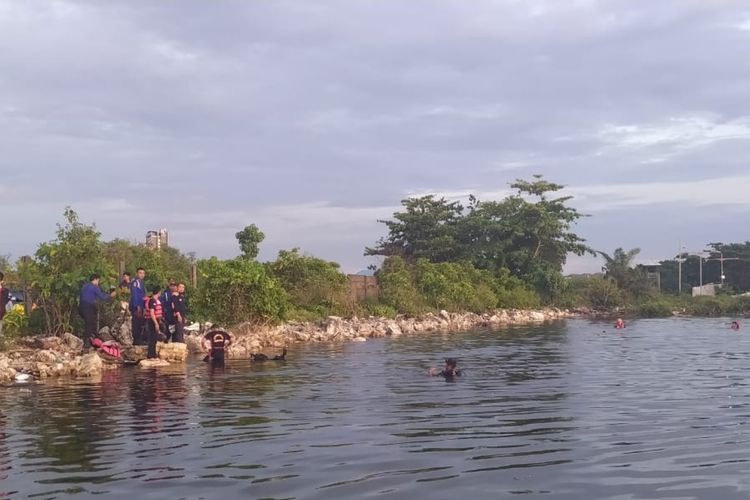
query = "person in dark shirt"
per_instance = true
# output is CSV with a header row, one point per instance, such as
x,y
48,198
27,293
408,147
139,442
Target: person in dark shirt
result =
x,y
137,297
450,371
166,303
216,342
125,281
90,295
179,310
154,315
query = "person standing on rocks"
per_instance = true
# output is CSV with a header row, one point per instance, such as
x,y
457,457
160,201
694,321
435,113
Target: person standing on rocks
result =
x,y
179,309
137,297
166,302
90,295
154,315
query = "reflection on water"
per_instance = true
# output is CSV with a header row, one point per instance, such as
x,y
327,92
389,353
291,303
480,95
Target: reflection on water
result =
x,y
659,410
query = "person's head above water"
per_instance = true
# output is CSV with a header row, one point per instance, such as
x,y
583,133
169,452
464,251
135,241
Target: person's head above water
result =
x,y
450,363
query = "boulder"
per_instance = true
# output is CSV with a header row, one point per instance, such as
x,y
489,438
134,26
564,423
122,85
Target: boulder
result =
x,y
41,370
153,363
134,353
89,365
359,339
105,334
48,343
172,352
393,329
45,356
445,315
194,343
72,342
7,374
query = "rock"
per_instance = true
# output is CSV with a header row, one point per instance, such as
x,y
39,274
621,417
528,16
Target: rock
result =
x,y
41,370
359,339
72,342
194,344
134,353
393,329
445,315
7,374
172,352
45,356
89,365
105,334
153,363
48,343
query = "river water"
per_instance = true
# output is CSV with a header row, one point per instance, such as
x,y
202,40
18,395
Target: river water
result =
x,y
659,410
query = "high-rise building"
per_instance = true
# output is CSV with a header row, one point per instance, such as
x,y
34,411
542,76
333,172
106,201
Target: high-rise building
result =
x,y
155,240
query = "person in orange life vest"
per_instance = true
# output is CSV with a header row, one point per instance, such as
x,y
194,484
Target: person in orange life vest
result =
x,y
620,324
153,315
216,342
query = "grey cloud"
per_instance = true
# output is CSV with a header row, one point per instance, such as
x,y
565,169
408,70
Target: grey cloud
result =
x,y
230,112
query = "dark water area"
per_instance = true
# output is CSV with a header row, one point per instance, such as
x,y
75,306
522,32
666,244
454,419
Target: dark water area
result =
x,y
659,410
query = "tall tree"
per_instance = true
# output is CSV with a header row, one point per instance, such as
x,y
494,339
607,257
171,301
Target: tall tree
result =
x,y
620,266
427,228
250,239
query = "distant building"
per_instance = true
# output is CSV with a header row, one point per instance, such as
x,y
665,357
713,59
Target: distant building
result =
x,y
155,240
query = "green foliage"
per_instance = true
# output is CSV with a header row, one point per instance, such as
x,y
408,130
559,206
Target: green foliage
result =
x,y
601,293
454,286
231,291
161,265
250,239
61,266
380,310
313,285
397,288
526,233
656,308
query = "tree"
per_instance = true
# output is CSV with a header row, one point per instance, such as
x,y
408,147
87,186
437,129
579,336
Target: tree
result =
x,y
61,266
619,266
250,239
427,228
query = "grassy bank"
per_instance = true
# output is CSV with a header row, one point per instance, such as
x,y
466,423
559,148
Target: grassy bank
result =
x,y
667,305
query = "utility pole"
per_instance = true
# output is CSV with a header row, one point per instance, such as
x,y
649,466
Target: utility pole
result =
x,y
721,260
680,259
700,269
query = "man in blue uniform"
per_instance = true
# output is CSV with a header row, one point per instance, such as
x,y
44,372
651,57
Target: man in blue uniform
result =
x,y
137,297
168,306
90,295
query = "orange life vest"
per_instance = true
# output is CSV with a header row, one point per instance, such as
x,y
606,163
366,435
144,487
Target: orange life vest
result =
x,y
158,312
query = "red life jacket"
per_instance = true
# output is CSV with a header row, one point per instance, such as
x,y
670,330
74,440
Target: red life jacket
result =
x,y
158,312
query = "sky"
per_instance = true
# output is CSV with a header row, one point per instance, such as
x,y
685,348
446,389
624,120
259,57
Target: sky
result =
x,y
314,118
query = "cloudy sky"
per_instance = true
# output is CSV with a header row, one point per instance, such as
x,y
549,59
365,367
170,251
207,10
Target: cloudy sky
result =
x,y
313,118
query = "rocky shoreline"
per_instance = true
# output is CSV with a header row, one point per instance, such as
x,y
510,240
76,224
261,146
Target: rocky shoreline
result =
x,y
44,357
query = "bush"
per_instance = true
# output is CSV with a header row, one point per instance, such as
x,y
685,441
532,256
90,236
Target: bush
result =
x,y
313,285
233,291
397,288
655,309
379,310
602,293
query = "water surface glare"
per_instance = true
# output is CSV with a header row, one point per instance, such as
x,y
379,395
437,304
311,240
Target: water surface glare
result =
x,y
659,410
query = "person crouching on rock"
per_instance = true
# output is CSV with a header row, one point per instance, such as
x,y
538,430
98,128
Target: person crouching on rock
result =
x,y
153,314
216,342
448,372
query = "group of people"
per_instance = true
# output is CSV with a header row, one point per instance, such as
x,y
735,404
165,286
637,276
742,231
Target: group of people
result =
x,y
156,314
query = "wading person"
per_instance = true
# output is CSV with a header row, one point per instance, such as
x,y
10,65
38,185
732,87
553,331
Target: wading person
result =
x,y
90,295
153,315
216,342
137,297
451,369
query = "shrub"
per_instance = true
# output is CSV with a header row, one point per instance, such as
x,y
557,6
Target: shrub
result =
x,y
313,285
655,309
237,290
397,288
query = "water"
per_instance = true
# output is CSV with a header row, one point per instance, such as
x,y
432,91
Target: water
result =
x,y
659,410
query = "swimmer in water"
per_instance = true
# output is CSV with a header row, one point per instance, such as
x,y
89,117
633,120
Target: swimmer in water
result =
x,y
735,325
620,324
449,371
